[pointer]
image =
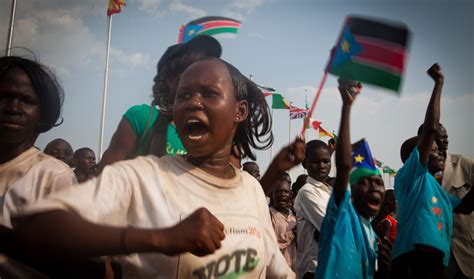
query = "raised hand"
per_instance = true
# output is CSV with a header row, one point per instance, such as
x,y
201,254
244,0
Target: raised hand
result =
x,y
349,90
200,233
435,72
290,156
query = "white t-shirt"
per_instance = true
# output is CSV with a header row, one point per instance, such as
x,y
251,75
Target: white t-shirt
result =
x,y
29,177
151,192
310,207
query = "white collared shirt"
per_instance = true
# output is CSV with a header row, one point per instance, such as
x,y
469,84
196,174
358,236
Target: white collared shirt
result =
x,y
310,207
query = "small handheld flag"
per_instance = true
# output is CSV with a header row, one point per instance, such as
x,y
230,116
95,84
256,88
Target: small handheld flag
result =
x,y
209,25
371,51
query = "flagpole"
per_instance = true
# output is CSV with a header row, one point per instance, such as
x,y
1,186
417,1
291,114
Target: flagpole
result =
x,y
104,95
318,93
289,124
10,31
306,107
271,147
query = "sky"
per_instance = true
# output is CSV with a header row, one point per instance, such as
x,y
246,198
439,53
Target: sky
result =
x,y
283,44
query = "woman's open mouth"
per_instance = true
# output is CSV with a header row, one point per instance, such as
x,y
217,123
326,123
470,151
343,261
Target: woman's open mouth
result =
x,y
195,129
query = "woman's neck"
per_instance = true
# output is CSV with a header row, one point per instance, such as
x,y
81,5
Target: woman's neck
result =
x,y
218,166
11,151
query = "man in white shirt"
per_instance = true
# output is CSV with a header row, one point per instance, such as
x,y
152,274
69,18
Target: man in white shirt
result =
x,y
310,206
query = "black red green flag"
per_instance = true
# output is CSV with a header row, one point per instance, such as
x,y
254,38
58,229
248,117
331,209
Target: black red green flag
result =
x,y
371,51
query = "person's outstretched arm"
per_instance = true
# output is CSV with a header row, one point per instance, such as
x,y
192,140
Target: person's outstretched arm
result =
x,y
122,146
343,145
60,234
430,126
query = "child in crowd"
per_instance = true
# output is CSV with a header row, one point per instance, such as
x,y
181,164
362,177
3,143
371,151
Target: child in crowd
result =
x,y
348,245
422,247
310,206
192,216
84,160
61,150
252,168
284,222
385,224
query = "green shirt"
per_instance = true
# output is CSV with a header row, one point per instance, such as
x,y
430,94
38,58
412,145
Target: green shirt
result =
x,y
137,117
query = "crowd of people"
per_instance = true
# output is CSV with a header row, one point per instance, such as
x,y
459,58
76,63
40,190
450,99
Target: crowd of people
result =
x,y
170,198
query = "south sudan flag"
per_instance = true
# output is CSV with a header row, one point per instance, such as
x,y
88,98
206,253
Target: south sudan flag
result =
x,y
209,25
371,51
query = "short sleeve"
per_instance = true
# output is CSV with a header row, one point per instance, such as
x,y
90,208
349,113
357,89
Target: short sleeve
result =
x,y
42,180
410,172
334,250
137,117
104,199
313,206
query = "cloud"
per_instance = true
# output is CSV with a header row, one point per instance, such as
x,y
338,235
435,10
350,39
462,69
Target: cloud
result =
x,y
239,9
57,34
150,6
130,60
194,12
226,36
255,35
44,31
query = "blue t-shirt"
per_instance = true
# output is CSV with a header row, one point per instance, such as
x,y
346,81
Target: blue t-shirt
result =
x,y
424,209
347,244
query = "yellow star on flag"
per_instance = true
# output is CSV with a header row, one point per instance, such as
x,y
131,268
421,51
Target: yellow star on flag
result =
x,y
191,32
345,46
358,158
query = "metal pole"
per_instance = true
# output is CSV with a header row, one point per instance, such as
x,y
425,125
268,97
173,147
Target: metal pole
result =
x,y
271,147
10,31
289,124
306,107
104,96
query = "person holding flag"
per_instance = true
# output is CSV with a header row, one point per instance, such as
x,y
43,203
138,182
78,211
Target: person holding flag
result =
x,y
348,244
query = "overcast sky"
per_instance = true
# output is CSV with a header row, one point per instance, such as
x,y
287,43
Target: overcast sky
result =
x,y
283,43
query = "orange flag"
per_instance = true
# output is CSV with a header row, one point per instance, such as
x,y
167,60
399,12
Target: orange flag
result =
x,y
115,6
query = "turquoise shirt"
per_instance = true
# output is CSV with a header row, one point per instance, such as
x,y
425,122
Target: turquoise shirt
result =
x,y
138,116
424,209
347,245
